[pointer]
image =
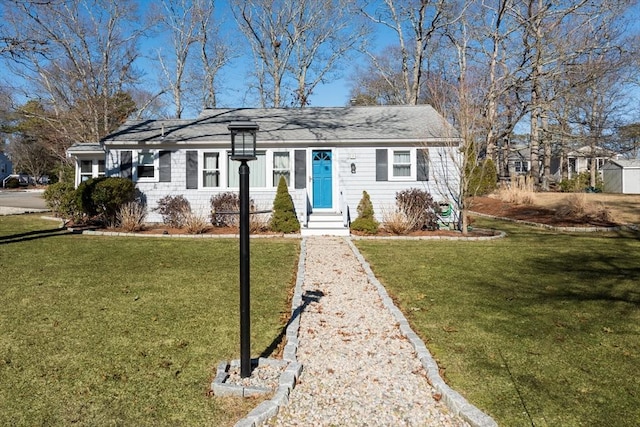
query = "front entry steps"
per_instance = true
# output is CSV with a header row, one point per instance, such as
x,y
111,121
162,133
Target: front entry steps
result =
x,y
325,224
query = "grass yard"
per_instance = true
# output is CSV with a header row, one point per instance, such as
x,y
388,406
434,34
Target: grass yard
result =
x,y
537,329
128,331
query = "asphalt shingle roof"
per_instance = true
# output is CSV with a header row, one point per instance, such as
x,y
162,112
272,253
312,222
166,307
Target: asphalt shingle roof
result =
x,y
420,123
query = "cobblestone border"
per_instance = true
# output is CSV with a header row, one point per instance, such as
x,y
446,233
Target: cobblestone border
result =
x,y
288,379
454,400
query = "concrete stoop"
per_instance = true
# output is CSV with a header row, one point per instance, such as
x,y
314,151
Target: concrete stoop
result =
x,y
325,224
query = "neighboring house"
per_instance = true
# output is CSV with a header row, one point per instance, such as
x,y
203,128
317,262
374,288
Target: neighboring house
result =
x,y
6,167
579,161
575,162
328,157
519,161
621,176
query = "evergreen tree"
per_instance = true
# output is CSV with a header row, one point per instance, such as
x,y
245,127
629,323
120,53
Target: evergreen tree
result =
x,y
366,221
283,217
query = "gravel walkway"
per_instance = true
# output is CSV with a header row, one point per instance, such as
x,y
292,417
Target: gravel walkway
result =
x,y
359,369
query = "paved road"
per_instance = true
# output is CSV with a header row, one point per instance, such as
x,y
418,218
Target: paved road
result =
x,y
21,201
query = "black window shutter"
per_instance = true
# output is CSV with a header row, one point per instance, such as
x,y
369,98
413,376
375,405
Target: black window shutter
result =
x,y
382,165
165,166
423,164
300,169
126,164
192,169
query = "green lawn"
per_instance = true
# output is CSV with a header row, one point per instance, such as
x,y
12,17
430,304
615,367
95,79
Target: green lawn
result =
x,y
538,328
127,331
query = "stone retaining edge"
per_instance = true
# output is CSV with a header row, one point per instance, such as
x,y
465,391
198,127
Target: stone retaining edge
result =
x,y
288,379
456,403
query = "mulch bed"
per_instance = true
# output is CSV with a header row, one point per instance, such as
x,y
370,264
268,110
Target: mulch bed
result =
x,y
537,214
484,205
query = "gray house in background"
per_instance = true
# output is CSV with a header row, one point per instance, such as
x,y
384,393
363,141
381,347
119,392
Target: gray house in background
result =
x,y
621,176
328,156
6,167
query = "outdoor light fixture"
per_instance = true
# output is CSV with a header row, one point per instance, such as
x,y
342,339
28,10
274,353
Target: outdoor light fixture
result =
x,y
243,140
243,149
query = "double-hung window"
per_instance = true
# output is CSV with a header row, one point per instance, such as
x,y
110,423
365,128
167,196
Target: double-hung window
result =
x,y
281,167
146,165
210,169
401,164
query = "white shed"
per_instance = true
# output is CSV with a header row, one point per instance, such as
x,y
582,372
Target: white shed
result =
x,y
621,176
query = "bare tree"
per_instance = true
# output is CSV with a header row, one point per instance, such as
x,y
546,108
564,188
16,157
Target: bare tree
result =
x,y
89,60
415,24
296,44
214,52
181,19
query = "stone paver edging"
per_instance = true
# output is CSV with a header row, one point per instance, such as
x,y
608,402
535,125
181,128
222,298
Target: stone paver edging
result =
x,y
269,408
452,398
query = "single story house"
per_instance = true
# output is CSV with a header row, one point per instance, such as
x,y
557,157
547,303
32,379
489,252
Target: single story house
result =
x,y
621,176
328,156
574,162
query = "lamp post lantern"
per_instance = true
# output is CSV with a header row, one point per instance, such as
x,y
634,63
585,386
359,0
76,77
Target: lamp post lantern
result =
x,y
243,149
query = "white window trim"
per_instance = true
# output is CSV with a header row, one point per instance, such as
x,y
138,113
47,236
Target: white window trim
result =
x,y
222,169
413,164
271,169
95,169
156,166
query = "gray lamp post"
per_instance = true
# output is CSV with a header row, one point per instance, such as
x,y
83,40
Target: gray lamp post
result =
x,y
243,149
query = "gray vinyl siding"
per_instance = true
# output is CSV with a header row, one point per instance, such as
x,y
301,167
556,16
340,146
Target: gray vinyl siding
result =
x,y
382,193
347,186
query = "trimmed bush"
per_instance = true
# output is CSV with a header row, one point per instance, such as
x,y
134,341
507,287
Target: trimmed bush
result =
x,y
419,209
366,221
174,210
283,217
110,194
61,199
103,197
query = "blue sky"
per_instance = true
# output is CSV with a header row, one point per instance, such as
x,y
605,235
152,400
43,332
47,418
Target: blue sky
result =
x,y
231,80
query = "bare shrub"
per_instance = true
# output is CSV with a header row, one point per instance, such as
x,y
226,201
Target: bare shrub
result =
x,y
130,217
577,205
519,191
225,209
195,224
259,222
174,210
419,208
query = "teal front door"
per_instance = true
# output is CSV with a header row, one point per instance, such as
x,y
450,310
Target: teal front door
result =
x,y
321,168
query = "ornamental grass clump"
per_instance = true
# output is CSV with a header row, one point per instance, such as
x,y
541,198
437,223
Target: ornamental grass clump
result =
x,y
131,216
284,218
366,221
